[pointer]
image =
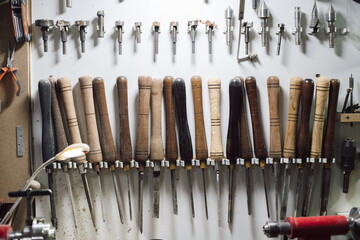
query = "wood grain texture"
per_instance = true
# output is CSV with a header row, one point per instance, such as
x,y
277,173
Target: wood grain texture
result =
x,y
156,142
289,150
321,99
216,145
107,142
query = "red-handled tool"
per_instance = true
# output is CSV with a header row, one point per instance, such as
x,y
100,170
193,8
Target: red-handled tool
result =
x,y
10,69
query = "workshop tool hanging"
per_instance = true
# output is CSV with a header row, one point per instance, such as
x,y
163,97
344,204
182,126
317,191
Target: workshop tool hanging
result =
x,y
82,28
119,25
330,18
264,15
173,32
229,20
280,33
64,28
240,19
315,21
192,26
349,112
246,31
348,155
209,29
9,68
156,32
45,26
137,31
19,20
297,29
100,23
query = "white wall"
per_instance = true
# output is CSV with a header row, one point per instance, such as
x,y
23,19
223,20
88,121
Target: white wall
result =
x,y
101,59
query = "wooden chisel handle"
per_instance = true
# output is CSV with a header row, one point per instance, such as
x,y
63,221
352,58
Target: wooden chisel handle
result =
x,y
307,92
94,155
48,142
70,114
216,146
171,151
201,149
258,135
273,86
289,150
142,134
322,95
108,148
156,143
125,137
185,144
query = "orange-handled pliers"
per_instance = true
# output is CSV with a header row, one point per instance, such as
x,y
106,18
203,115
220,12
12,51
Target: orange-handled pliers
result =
x,y
10,69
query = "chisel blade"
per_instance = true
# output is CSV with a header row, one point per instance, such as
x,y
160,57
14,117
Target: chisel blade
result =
x,y
68,182
325,190
231,196
117,192
88,197
140,203
52,199
248,189
129,193
205,197
266,190
173,190
277,190
285,191
191,193
156,191
101,196
218,196
308,190
298,190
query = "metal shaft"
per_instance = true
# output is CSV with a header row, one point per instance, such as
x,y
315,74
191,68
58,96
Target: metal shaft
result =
x,y
101,196
205,197
117,195
218,196
285,191
173,190
68,182
191,193
140,202
231,195
248,189
88,196
69,3
129,193
298,190
52,199
266,191
156,191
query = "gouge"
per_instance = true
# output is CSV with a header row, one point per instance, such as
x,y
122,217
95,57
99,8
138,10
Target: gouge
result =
x,y
125,137
258,136
94,156
329,144
201,148
185,144
156,142
142,136
65,90
171,150
108,148
321,98
348,155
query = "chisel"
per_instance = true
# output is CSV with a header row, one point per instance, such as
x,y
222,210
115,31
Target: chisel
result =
x,y
94,156
47,139
289,151
321,98
142,136
65,90
329,144
171,150
302,145
233,138
258,135
216,145
124,136
107,143
185,144
156,142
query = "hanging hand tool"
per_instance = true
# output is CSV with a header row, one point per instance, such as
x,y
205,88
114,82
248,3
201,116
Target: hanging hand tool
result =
x,y
314,22
240,18
100,23
258,135
124,135
233,139
302,146
156,32
64,28
246,31
352,107
192,25
216,146
120,30
273,86
48,141
45,26
251,58
201,148
330,17
297,29
94,156
348,155
171,151
185,144
210,27
254,4
107,143
264,14
173,32
156,142
329,144
19,20
289,150
82,28
142,136
9,68
280,33
69,3
229,18
322,94
137,31
65,90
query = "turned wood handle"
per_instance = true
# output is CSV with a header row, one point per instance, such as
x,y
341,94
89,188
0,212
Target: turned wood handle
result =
x,y
329,134
307,92
156,143
24,19
125,137
216,146
66,94
201,149
94,155
142,134
48,141
322,95
289,150
185,144
258,135
171,141
108,148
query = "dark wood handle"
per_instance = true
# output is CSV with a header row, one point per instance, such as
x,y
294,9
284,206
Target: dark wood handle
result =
x,y
94,156
307,92
24,20
106,137
48,141
171,140
125,137
185,144
201,148
156,143
258,135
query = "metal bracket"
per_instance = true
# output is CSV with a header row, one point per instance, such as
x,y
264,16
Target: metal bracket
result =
x,y
19,141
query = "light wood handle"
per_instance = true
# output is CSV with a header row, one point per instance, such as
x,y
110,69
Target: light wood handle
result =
x,y
94,155
322,95
293,110
156,143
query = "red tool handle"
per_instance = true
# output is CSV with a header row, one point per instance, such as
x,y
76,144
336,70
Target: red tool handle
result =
x,y
4,231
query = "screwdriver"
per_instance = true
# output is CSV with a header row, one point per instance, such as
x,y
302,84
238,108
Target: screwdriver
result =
x,y
348,155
